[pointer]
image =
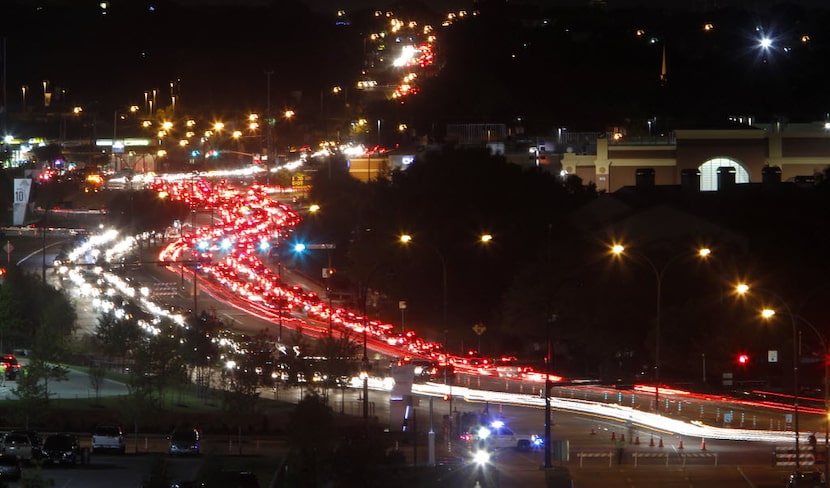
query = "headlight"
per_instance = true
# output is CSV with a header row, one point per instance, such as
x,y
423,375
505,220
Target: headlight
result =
x,y
481,457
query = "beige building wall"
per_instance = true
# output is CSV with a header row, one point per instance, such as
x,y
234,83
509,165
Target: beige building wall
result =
x,y
615,164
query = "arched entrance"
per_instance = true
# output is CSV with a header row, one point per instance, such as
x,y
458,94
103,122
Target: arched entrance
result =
x,y
709,173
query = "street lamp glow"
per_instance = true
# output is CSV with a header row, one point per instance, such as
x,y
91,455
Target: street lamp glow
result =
x,y
767,313
765,43
742,288
406,238
314,208
485,238
659,273
217,126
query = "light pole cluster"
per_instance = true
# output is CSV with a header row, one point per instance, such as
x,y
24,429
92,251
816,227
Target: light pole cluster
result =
x,y
768,313
659,273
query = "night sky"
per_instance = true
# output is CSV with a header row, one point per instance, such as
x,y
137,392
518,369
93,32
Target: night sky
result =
x,y
586,68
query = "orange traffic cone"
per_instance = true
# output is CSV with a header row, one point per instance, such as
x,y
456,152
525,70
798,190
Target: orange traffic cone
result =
x,y
702,444
661,442
651,442
613,435
680,446
637,440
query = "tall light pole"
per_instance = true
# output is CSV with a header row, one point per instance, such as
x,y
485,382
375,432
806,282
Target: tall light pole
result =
x,y
548,356
268,117
282,297
327,272
365,364
406,239
825,352
659,273
768,313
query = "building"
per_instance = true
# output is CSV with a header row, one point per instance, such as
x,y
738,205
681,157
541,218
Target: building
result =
x,y
706,159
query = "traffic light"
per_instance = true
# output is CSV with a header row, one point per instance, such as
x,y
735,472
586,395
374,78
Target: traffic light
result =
x,y
447,397
743,359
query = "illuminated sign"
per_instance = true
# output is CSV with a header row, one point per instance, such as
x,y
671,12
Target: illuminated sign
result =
x,y
122,143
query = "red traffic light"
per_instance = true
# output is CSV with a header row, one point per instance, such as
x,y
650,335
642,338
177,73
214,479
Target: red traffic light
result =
x,y
743,359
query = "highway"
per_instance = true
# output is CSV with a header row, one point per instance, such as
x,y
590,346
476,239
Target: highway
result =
x,y
593,433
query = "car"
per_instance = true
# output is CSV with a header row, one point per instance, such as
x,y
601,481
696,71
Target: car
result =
x,y
108,437
10,468
496,435
185,442
806,479
61,448
37,440
16,444
10,366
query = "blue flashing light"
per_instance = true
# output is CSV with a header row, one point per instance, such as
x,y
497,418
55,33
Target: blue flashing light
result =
x,y
497,424
203,245
299,247
263,245
226,244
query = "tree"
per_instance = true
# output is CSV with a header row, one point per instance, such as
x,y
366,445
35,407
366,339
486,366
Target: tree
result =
x,y
97,374
246,373
16,321
340,357
116,336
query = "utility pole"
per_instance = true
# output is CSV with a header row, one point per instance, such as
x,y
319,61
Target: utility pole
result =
x,y
268,127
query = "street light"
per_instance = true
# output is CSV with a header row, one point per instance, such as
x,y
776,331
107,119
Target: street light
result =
x,y
407,239
768,313
826,353
659,273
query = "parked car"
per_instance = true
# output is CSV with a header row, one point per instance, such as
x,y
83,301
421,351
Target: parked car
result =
x,y
10,468
108,437
61,448
15,444
185,442
34,437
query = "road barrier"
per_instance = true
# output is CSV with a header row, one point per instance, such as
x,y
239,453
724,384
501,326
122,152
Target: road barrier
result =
x,y
785,456
699,455
583,455
638,455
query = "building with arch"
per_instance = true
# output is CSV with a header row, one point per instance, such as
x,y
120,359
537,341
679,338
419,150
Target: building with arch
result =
x,y
706,160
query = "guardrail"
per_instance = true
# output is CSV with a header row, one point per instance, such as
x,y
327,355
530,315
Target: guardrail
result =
x,y
699,455
583,455
638,455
